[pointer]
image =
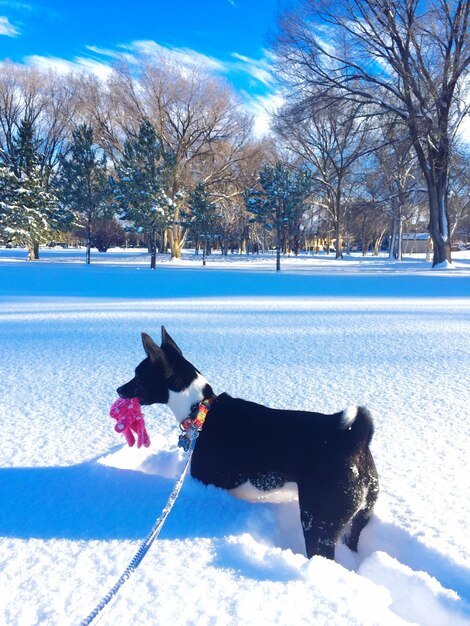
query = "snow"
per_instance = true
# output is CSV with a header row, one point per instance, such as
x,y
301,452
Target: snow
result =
x,y
445,265
322,334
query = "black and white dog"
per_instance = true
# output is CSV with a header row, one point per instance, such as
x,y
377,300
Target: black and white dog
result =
x,y
247,447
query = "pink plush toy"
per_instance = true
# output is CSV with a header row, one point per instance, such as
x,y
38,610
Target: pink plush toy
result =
x,y
130,420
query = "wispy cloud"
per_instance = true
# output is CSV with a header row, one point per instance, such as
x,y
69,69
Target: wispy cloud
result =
x,y
6,27
258,72
17,6
255,74
262,109
28,10
112,55
76,66
184,56
259,69
100,64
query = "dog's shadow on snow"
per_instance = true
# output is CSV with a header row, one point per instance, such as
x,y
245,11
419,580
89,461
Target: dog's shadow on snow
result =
x,y
80,502
96,501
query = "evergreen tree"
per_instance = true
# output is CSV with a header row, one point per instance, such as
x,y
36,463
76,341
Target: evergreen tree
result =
x,y
202,217
279,201
8,183
83,183
28,209
139,187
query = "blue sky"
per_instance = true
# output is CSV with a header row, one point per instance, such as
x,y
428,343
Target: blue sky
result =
x,y
228,37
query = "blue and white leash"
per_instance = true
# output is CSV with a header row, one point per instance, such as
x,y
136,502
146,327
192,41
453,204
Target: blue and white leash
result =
x,y
145,546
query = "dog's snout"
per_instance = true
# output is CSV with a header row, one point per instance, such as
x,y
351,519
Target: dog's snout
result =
x,y
124,391
129,390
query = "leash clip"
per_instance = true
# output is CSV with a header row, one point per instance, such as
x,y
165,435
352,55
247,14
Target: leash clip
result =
x,y
185,439
183,442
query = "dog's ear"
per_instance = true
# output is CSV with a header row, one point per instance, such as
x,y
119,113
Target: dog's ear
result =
x,y
167,342
153,351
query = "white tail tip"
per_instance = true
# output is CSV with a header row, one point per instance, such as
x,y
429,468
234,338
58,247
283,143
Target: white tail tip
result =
x,y
348,416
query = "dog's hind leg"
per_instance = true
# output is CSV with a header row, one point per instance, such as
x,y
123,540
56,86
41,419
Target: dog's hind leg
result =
x,y
319,539
359,521
363,515
322,523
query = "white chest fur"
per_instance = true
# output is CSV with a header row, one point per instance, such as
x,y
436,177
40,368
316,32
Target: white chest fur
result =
x,y
287,493
180,402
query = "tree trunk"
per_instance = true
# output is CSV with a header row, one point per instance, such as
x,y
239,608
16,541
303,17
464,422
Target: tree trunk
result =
x,y
162,242
88,243
393,238
339,240
33,251
153,249
435,168
400,239
439,225
364,244
429,250
175,249
378,243
88,253
278,249
177,240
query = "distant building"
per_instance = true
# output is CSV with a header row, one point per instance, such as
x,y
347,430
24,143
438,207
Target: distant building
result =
x,y
415,242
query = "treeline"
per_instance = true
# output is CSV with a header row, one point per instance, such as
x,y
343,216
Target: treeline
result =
x,y
77,153
394,68
165,156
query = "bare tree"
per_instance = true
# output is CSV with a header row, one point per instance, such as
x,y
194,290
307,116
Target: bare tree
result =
x,y
459,189
46,101
239,163
332,139
405,57
199,121
109,110
398,180
196,118
367,221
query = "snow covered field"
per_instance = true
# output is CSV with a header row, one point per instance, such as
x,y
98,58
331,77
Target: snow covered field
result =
x,y
75,503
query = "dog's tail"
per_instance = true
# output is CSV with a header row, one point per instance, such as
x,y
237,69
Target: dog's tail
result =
x,y
356,421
